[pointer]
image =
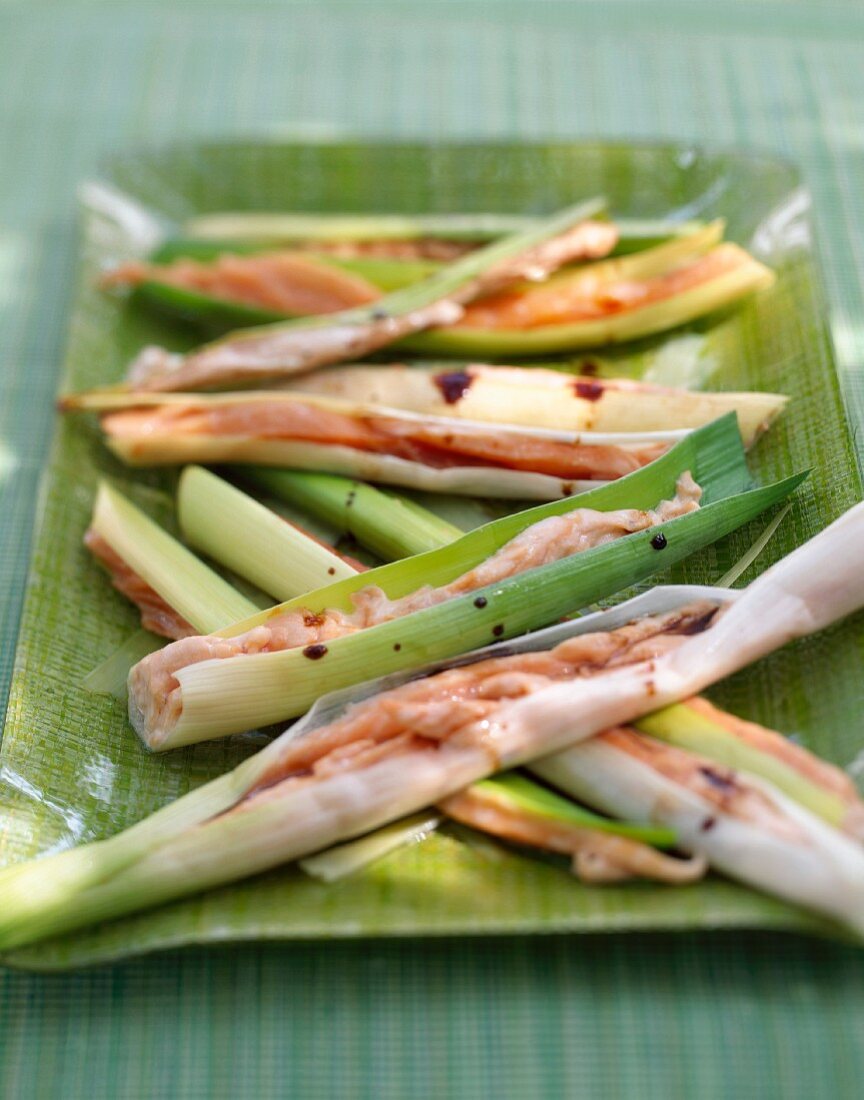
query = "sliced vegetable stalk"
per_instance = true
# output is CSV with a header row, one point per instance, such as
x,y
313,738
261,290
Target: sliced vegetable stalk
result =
x,y
312,229
604,303
143,556
602,850
540,398
293,346
438,454
698,727
347,859
302,793
746,826
242,534
209,687
384,523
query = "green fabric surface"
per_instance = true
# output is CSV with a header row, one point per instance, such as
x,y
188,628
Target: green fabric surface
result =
x,y
705,1016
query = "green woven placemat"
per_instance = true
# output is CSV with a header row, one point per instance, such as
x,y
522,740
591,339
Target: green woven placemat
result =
x,y
706,1016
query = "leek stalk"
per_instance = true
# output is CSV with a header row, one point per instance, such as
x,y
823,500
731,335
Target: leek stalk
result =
x,y
347,859
384,523
700,728
707,296
257,230
238,532
186,584
167,436
523,793
539,398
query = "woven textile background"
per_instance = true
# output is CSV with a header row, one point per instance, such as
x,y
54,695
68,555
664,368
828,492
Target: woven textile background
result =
x,y
707,1016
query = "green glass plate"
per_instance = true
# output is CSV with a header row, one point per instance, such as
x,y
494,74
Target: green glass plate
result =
x,y
72,770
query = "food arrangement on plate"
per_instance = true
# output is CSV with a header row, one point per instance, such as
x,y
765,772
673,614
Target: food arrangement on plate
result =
x,y
410,382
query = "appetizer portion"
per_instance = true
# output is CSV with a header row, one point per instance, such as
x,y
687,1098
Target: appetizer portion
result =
x,y
699,727
356,764
536,397
608,302
438,454
601,850
177,593
157,615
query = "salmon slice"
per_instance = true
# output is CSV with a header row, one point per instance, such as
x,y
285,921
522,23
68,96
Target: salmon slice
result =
x,y
582,296
285,282
597,857
534,454
434,445
154,685
156,615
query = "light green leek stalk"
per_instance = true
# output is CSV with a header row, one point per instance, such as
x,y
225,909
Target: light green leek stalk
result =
x,y
191,588
286,227
240,533
713,735
225,696
283,229
388,525
347,859
521,793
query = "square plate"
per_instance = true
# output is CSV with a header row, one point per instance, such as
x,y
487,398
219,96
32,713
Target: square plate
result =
x,y
73,771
